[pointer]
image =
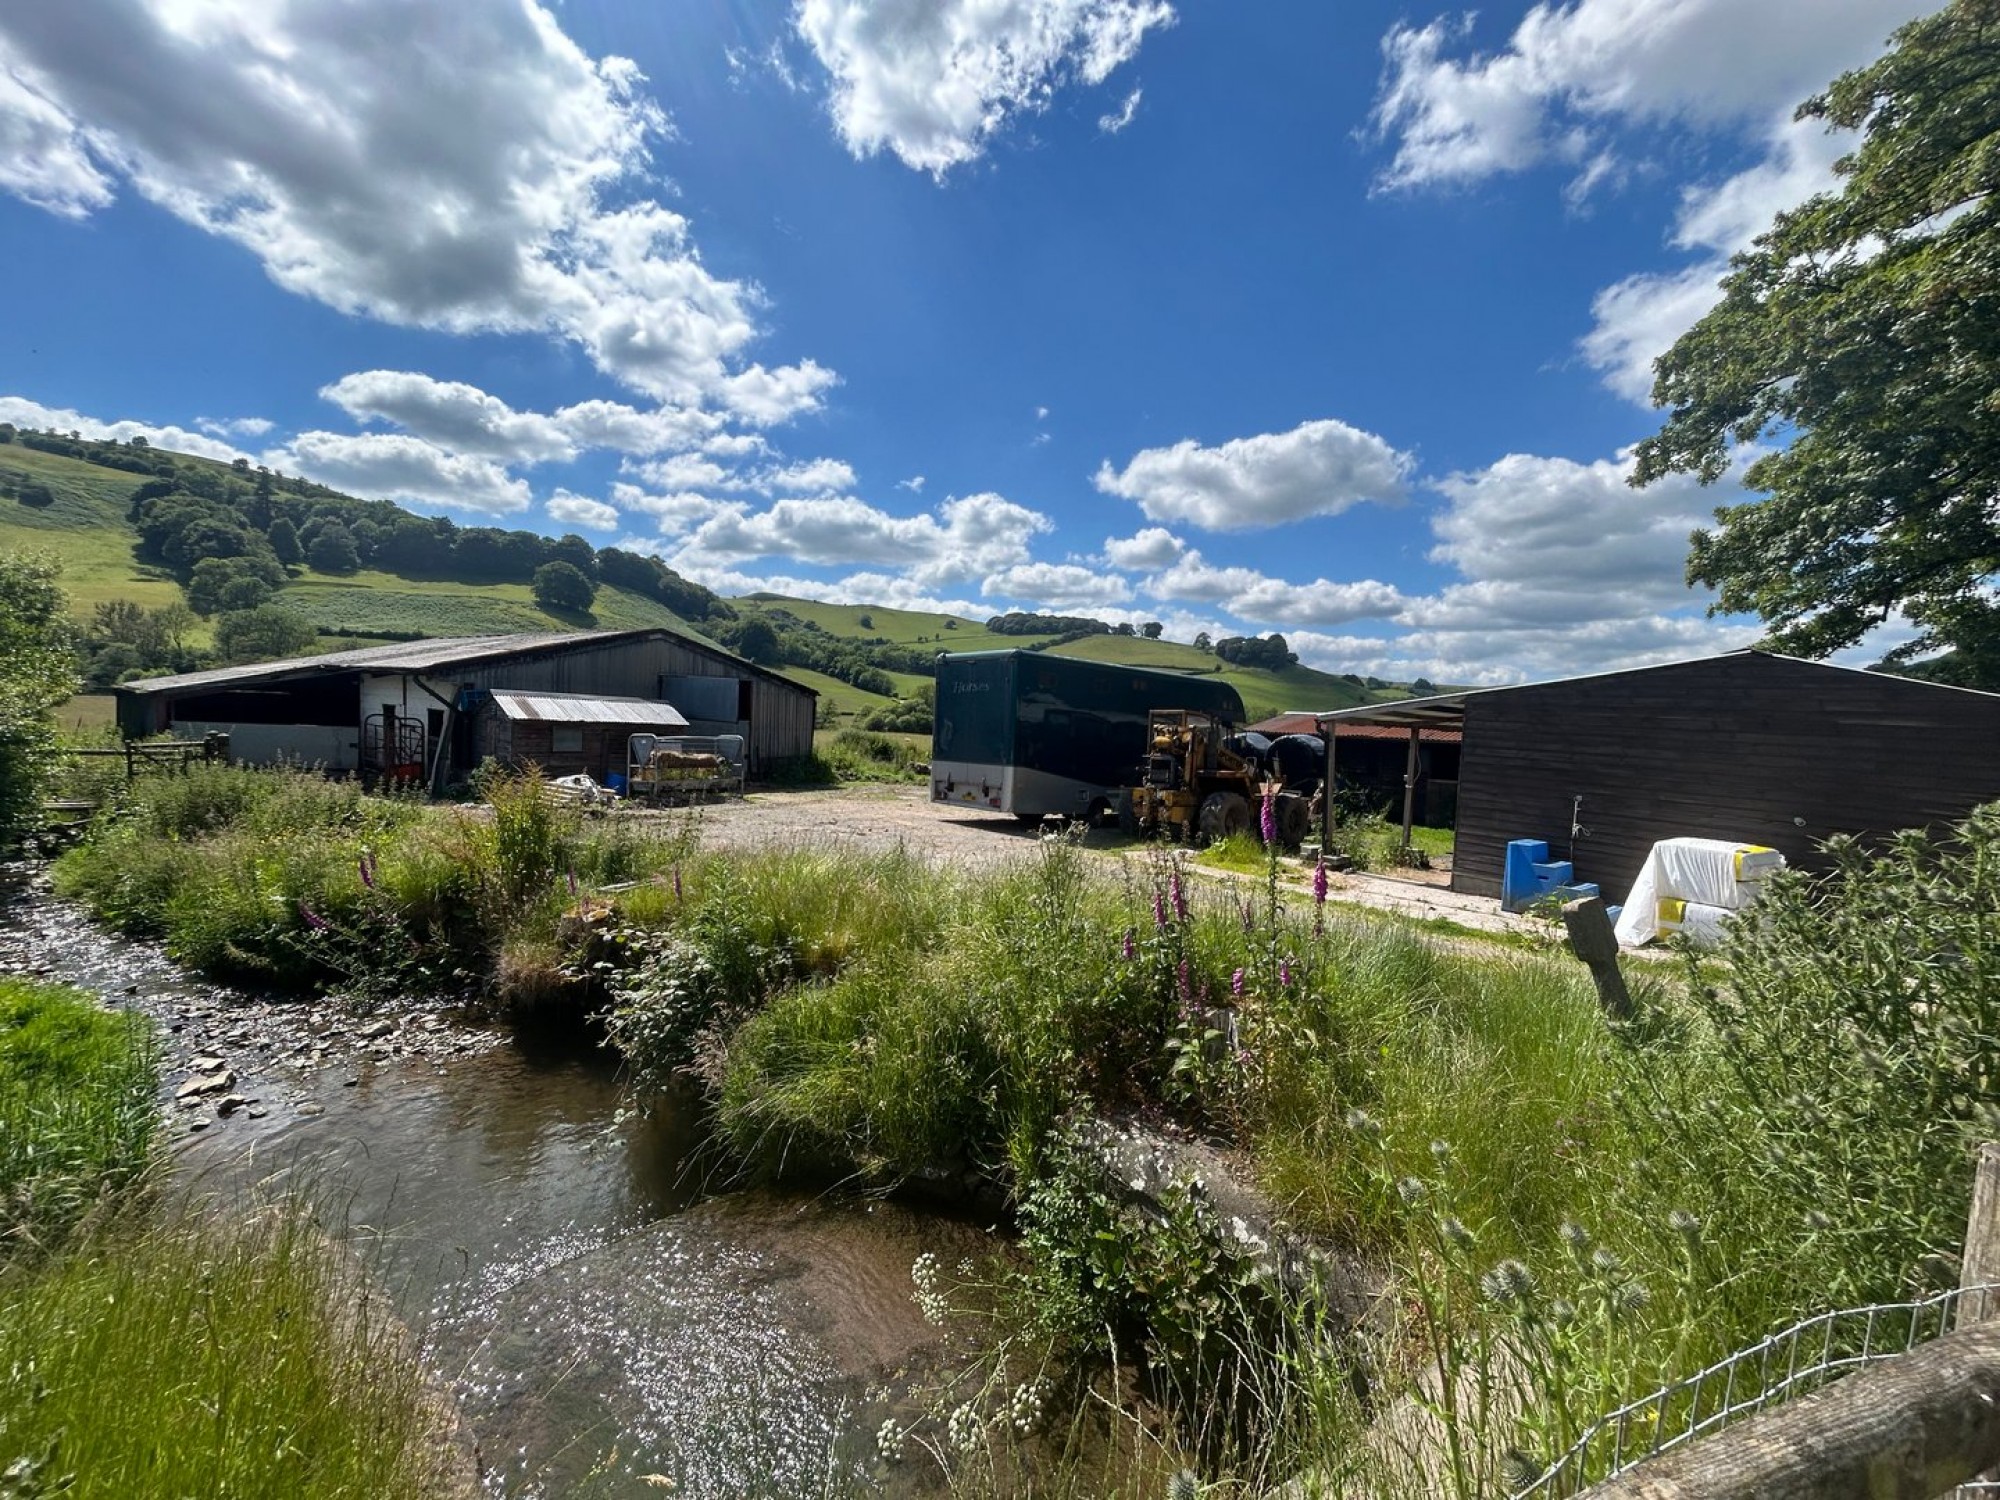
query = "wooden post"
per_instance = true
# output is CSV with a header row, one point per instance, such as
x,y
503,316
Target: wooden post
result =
x,y
131,770
1592,940
1980,1265
1410,788
1330,734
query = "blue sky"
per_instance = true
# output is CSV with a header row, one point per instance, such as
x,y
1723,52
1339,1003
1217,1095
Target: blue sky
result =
x,y
1325,318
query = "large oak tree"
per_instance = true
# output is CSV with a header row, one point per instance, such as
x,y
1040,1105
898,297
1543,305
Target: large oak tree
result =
x,y
1858,345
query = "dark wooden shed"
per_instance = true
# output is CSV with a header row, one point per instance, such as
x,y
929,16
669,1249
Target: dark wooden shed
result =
x,y
1751,746
568,733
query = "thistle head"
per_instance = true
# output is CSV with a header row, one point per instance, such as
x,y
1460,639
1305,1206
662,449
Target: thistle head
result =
x,y
1511,1284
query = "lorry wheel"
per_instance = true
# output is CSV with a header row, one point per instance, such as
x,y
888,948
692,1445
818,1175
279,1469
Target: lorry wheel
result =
x,y
1222,813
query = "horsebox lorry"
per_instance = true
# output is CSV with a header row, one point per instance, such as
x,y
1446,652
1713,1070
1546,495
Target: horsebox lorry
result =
x,y
1031,733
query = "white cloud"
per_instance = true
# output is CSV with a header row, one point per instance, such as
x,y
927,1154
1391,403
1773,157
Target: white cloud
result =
x,y
626,429
914,484
820,476
1057,585
23,412
677,512
1119,118
766,397
1254,596
1569,72
43,156
450,414
228,427
1153,547
933,82
577,510
395,466
964,539
685,471
1636,320
1317,469
444,166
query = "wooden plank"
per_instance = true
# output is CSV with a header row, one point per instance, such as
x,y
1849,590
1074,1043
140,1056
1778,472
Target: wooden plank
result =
x,y
1908,1428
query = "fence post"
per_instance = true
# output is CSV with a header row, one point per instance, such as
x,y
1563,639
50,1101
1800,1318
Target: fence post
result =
x,y
1980,1265
1592,939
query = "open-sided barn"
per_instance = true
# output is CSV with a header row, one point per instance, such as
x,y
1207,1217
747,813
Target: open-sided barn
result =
x,y
1750,746
414,710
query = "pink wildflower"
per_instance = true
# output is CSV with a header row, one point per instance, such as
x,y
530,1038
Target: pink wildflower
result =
x,y
1159,910
312,918
1267,818
368,868
1179,895
1319,881
1284,971
1236,984
1128,949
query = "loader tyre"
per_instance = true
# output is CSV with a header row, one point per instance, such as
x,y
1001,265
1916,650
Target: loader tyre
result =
x,y
1294,819
1221,814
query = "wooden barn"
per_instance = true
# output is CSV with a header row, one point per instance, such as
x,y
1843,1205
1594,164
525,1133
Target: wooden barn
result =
x,y
412,711
1372,763
1751,746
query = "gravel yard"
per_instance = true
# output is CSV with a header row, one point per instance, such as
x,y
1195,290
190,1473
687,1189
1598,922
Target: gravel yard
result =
x,y
880,817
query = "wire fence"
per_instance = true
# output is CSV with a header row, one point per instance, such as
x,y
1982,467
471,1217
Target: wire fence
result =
x,y
1802,1359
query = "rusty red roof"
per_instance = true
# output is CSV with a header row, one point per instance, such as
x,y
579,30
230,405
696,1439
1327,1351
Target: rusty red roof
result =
x,y
1308,724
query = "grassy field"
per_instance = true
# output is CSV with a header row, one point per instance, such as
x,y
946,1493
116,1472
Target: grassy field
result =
x,y
902,627
85,527
87,715
1264,693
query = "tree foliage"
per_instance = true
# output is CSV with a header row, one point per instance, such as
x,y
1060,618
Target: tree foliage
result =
x,y
37,672
1862,334
269,632
563,587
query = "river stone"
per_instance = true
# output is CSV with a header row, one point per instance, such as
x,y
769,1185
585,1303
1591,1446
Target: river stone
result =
x,y
312,1107
374,1029
207,1083
230,1103
207,1062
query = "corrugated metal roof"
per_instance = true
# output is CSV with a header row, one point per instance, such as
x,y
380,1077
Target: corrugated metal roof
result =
x,y
580,708
426,656
399,656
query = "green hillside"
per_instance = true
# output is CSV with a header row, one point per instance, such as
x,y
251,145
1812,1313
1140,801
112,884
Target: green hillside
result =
x,y
1264,692
86,523
900,627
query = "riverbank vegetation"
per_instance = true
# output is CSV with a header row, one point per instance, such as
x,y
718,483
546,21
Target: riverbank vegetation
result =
x,y
1537,1214
157,1346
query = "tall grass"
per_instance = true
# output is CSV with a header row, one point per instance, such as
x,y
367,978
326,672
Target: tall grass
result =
x,y
77,1111
192,1355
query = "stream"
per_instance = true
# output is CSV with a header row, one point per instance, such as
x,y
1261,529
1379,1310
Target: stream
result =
x,y
603,1314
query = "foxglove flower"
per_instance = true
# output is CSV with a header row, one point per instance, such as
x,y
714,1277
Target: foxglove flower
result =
x,y
368,868
1284,971
312,918
1180,897
1159,910
1267,818
1236,984
1319,881
1128,949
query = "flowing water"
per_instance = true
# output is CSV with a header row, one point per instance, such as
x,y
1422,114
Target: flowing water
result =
x,y
602,1315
